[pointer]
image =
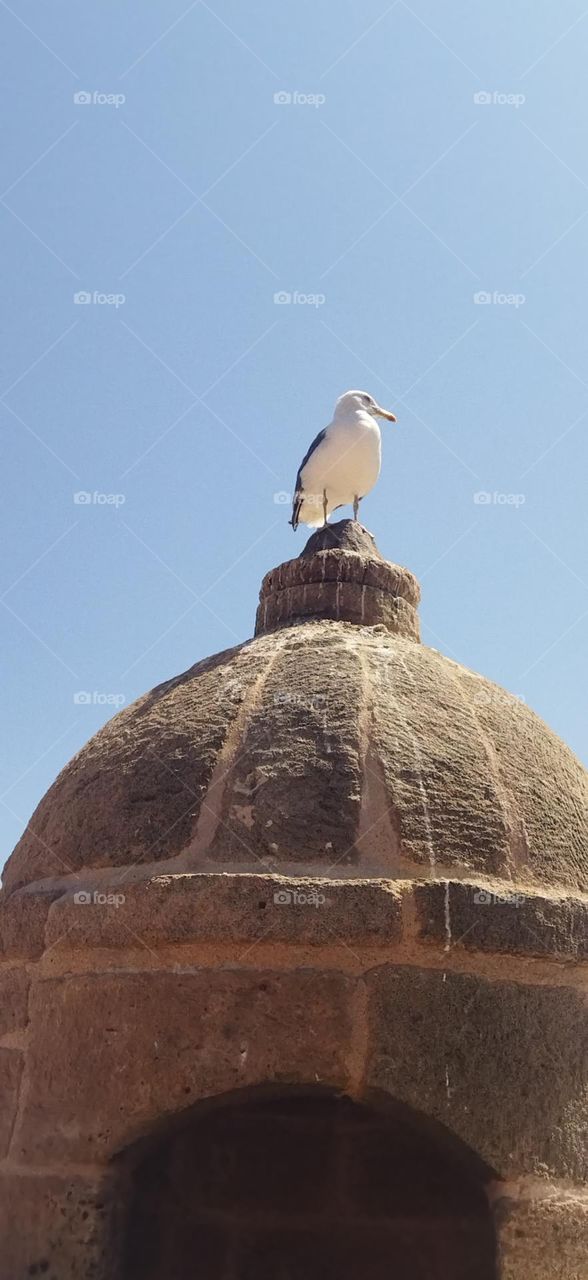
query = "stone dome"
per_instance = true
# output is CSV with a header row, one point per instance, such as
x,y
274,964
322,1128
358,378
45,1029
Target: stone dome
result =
x,y
333,741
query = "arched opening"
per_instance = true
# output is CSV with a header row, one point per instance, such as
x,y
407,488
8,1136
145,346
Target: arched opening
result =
x,y
304,1186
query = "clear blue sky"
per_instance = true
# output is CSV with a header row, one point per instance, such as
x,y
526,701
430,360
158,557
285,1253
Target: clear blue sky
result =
x,y
398,198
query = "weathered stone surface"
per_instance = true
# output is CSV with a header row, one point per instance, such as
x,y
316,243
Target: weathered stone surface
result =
x,y
217,906
340,575
502,917
545,790
125,1050
339,600
135,791
14,988
321,743
504,1066
437,777
545,1239
294,786
23,916
342,535
11,1063
60,1228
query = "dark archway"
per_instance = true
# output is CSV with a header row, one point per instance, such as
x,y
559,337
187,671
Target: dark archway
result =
x,y
308,1186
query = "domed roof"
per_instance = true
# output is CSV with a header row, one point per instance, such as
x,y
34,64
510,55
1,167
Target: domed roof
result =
x,y
334,741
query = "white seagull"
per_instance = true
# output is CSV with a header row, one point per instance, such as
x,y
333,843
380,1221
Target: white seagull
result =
x,y
343,462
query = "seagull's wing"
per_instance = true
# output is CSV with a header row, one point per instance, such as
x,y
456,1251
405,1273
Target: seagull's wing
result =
x,y
299,491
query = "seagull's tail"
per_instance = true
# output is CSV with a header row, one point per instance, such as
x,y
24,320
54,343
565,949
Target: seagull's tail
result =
x,y
298,499
307,510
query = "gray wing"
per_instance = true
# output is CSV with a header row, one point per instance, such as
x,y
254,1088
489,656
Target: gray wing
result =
x,y
299,492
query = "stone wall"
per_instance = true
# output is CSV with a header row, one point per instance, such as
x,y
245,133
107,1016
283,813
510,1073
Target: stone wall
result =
x,y
119,1020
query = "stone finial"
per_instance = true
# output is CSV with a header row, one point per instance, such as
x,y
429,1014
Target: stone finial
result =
x,y
345,535
340,575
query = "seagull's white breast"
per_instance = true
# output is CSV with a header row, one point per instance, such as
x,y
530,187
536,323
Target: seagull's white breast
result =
x,y
347,461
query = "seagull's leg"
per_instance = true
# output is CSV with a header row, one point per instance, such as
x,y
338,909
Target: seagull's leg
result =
x,y
356,502
325,505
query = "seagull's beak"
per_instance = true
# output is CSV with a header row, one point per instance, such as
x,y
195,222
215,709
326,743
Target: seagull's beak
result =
x,y
385,413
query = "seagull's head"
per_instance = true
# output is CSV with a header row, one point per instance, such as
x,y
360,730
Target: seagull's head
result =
x,y
360,401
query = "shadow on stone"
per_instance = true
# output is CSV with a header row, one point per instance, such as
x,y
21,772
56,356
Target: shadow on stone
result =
x,y
309,1186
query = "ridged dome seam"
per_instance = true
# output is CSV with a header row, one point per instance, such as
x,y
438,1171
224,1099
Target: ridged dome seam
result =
x,y
514,825
377,809
209,818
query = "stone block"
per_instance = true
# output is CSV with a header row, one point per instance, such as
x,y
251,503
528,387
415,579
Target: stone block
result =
x,y
222,907
14,989
57,1228
543,1239
23,916
127,1050
502,917
11,1062
501,1064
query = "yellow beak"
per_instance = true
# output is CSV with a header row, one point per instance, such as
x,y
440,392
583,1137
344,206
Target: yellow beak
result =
x,y
385,413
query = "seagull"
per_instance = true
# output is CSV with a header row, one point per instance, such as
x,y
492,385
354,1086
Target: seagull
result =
x,y
343,462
